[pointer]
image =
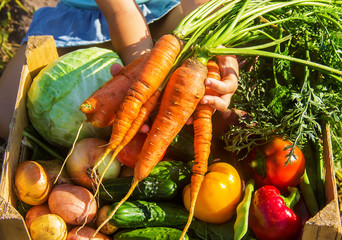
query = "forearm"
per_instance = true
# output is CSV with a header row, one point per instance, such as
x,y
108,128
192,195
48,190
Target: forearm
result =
x,y
189,5
128,30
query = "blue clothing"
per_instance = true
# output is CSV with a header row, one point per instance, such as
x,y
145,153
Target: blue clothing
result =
x,y
90,4
80,22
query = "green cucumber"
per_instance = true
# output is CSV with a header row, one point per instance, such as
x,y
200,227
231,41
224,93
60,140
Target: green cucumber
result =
x,y
137,214
150,188
177,171
182,146
150,233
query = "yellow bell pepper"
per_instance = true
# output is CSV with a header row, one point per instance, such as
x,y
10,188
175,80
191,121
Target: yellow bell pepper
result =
x,y
219,194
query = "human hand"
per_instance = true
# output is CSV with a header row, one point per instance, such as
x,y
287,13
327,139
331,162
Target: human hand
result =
x,y
115,69
224,89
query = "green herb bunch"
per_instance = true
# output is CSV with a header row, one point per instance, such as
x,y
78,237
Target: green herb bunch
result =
x,y
287,98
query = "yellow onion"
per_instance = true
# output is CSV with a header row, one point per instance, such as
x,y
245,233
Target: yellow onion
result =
x,y
52,169
85,233
35,212
48,227
102,215
82,159
32,183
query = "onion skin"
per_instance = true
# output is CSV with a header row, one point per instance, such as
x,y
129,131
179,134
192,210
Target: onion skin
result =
x,y
102,215
52,168
81,161
32,183
126,171
48,227
85,233
75,204
35,212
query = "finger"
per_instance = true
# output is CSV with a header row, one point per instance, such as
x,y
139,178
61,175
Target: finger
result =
x,y
115,69
190,120
227,85
144,128
228,65
219,103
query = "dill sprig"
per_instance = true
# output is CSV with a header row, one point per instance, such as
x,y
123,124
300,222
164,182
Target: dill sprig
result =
x,y
285,98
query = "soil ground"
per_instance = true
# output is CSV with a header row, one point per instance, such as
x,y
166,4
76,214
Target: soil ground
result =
x,y
22,19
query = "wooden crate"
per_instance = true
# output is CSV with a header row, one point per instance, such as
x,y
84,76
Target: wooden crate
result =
x,y
41,50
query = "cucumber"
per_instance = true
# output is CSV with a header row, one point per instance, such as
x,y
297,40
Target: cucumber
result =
x,y
177,171
150,188
137,214
150,233
182,146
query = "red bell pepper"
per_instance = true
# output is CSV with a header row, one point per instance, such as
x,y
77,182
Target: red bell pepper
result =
x,y
271,216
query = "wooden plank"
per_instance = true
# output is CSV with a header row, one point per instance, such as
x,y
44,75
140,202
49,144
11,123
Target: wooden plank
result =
x,y
18,123
40,51
11,223
324,225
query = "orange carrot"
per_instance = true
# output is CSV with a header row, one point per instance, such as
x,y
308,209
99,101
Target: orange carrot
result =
x,y
144,113
156,67
100,108
182,94
202,142
180,98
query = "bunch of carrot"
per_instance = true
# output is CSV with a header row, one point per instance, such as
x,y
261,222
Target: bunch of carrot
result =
x,y
184,88
181,70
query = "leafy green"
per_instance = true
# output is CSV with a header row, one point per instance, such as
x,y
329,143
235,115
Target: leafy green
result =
x,y
207,231
59,89
290,99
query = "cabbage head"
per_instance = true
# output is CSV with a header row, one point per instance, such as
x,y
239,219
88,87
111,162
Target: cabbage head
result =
x,y
59,89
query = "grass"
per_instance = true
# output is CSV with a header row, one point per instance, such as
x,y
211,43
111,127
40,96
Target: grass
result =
x,y
7,48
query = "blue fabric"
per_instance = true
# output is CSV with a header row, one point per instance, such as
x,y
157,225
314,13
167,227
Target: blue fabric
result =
x,y
79,26
90,4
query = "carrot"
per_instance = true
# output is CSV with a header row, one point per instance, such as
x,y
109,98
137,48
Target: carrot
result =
x,y
100,108
182,94
180,98
202,142
145,111
156,67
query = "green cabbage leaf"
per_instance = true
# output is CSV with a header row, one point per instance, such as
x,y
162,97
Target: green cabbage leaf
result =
x,y
59,89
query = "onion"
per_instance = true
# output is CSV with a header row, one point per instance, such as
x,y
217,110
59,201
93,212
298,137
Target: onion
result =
x,y
102,215
52,168
85,233
113,171
81,161
48,227
35,212
32,183
75,204
126,171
